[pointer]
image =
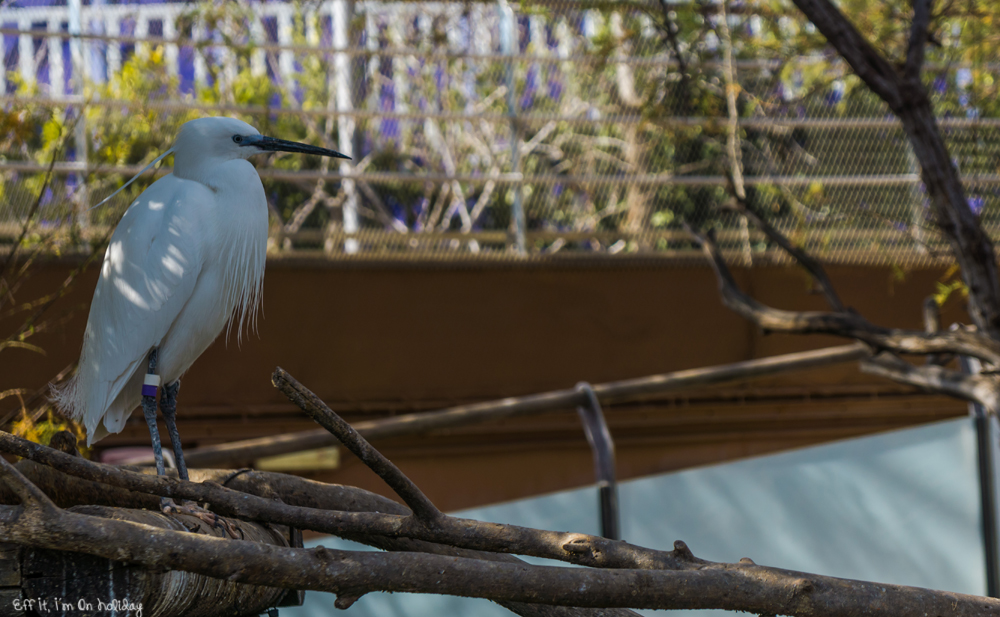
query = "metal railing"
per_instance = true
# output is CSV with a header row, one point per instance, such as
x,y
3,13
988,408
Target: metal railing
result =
x,y
240,452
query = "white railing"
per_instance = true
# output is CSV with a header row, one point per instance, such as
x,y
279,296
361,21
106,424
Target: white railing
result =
x,y
105,28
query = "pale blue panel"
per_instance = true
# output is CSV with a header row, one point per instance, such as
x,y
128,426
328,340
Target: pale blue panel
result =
x,y
899,507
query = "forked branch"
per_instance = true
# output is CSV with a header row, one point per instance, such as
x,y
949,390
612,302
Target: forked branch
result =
x,y
982,389
847,324
576,548
324,416
685,583
907,98
743,587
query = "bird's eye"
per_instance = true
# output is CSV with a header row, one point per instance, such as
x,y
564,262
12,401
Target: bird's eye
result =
x,y
238,138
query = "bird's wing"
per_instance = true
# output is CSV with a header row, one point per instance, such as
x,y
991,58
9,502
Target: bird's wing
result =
x,y
150,270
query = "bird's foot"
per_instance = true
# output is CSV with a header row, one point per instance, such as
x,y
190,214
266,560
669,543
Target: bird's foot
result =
x,y
190,508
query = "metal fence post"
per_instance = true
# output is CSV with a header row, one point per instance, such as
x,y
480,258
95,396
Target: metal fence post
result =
x,y
81,216
509,47
987,483
340,12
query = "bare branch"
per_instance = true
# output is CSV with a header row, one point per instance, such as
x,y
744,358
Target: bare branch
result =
x,y
932,324
576,548
293,490
381,210
386,469
932,315
743,586
9,259
918,40
671,30
733,147
846,323
812,266
681,582
982,389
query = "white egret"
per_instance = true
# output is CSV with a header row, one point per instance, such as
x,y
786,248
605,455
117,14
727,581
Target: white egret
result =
x,y
187,257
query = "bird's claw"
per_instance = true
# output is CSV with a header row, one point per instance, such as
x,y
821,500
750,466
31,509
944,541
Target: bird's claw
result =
x,y
212,519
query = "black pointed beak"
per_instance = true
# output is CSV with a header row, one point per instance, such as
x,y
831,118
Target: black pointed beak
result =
x,y
273,144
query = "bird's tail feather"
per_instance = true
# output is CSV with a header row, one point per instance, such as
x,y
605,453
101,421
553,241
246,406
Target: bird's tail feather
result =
x,y
67,397
71,400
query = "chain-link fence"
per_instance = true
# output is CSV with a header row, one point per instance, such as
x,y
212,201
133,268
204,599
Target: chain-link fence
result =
x,y
485,129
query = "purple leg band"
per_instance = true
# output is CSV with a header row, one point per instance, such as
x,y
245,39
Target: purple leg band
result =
x,y
148,390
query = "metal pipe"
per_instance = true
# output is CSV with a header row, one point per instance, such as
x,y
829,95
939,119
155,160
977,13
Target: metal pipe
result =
x,y
532,404
580,119
509,46
663,179
343,84
987,486
603,448
648,61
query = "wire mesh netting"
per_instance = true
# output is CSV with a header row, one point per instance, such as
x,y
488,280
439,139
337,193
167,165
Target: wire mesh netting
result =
x,y
486,129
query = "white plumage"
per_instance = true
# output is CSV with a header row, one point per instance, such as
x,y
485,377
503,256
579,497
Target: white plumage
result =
x,y
187,255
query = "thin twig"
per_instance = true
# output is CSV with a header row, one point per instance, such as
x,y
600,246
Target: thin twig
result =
x,y
671,30
27,221
422,507
932,315
804,259
932,324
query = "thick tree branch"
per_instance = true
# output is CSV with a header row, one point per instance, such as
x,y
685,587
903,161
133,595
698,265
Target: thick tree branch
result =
x,y
908,99
31,496
743,586
294,490
274,488
846,323
918,40
866,61
675,580
982,389
576,548
422,507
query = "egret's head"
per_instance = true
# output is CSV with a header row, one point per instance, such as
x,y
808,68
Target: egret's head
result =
x,y
201,141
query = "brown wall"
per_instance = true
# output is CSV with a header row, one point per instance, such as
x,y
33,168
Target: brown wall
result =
x,y
379,339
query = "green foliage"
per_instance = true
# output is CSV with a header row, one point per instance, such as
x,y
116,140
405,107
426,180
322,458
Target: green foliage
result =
x,y
41,431
950,283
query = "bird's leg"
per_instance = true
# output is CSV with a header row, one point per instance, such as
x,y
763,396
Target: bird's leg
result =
x,y
149,388
168,406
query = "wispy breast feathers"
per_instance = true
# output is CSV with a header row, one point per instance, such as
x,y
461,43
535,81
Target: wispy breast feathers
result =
x,y
245,278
